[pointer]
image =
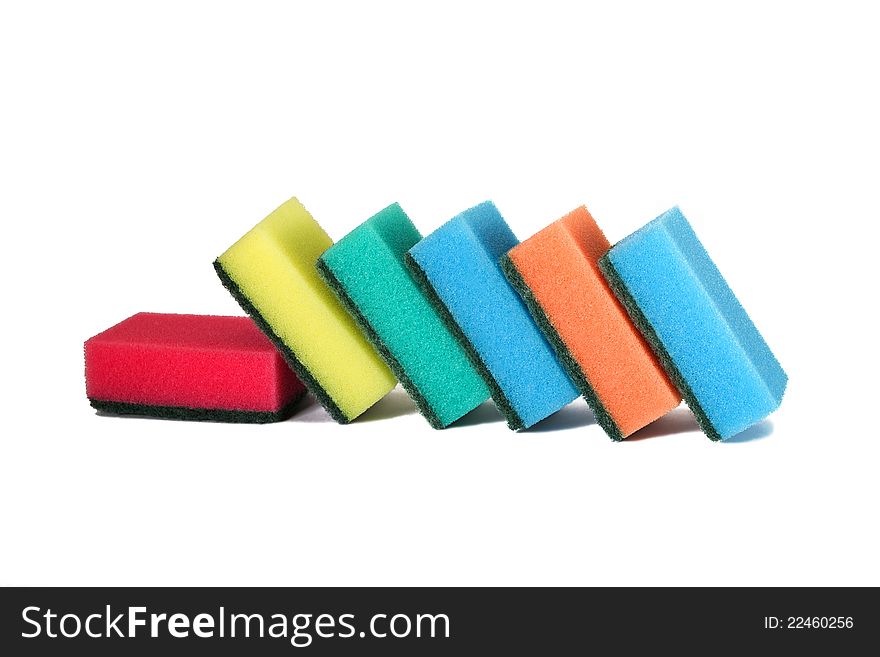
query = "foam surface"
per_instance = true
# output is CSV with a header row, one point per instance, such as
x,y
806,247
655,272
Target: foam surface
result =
x,y
459,262
271,273
712,350
174,365
367,270
556,271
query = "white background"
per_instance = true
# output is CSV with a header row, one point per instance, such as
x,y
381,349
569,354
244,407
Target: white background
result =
x,y
139,140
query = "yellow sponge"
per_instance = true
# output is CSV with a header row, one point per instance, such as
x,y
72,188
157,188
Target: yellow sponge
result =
x,y
271,273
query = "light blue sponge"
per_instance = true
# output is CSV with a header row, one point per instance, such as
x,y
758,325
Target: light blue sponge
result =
x,y
702,335
458,265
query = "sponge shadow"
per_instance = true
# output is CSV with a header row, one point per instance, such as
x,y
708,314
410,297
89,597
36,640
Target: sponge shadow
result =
x,y
311,411
679,420
573,416
485,413
755,432
395,404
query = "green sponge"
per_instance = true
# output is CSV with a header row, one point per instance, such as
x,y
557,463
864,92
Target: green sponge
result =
x,y
367,272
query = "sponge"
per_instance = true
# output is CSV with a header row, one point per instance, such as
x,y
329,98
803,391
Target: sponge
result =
x,y
704,338
189,367
458,266
557,274
271,273
366,270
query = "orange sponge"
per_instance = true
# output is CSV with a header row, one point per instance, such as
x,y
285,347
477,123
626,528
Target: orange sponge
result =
x,y
556,272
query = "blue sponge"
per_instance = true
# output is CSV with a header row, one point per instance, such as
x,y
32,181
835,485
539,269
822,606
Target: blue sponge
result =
x,y
687,312
458,265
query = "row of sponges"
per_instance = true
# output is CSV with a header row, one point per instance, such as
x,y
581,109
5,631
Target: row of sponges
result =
x,y
459,316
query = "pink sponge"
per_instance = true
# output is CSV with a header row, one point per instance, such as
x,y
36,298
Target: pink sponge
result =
x,y
194,367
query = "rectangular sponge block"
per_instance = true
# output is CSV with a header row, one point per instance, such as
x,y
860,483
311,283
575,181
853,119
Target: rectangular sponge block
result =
x,y
458,264
704,338
189,367
366,270
271,273
556,271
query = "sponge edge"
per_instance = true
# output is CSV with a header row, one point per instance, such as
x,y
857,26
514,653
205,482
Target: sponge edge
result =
x,y
367,272
193,414
458,265
699,330
271,272
556,273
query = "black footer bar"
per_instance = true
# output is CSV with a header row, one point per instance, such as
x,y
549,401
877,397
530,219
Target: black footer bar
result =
x,y
429,621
